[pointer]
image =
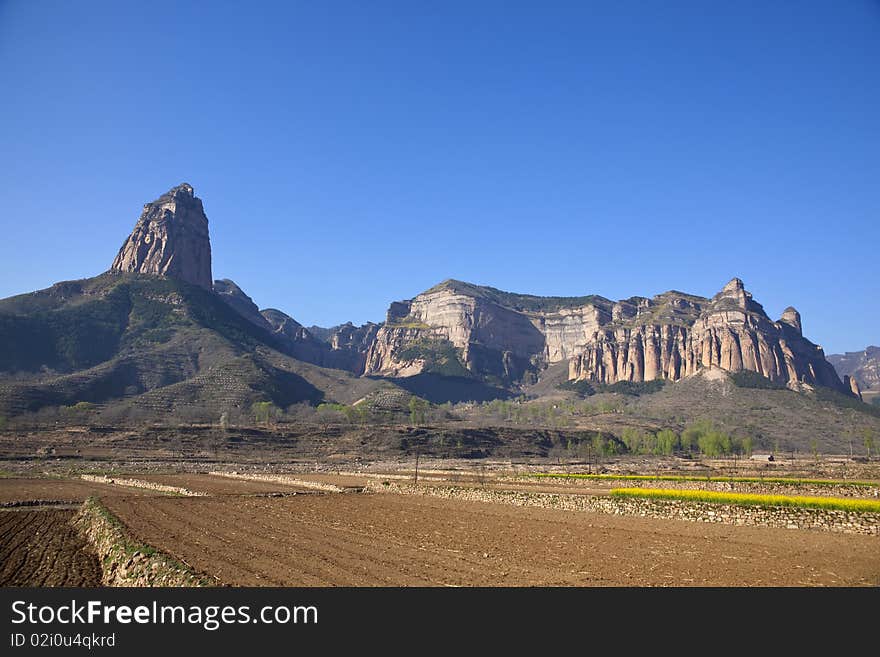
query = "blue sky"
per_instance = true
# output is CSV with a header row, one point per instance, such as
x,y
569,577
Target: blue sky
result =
x,y
349,154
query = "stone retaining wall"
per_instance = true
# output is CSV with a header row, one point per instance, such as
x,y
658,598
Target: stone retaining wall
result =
x,y
379,475
281,479
789,518
124,561
767,488
140,483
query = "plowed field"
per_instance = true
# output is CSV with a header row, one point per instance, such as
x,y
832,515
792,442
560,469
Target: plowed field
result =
x,y
22,489
394,540
41,548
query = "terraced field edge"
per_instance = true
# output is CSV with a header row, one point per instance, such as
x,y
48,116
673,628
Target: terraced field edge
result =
x,y
126,561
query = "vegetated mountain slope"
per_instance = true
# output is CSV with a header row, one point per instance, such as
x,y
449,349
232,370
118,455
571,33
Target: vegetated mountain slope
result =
x,y
549,382
158,334
156,342
773,416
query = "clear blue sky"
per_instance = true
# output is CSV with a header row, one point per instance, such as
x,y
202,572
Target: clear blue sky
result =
x,y
352,153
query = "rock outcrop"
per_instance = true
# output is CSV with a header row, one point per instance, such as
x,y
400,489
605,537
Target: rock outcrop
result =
x,y
301,344
283,324
456,327
241,302
494,335
345,348
853,385
862,367
731,331
170,239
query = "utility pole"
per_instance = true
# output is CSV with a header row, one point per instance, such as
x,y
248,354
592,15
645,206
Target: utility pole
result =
x,y
416,481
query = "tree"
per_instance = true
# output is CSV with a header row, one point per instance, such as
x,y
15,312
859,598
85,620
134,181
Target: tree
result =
x,y
714,443
330,413
264,411
692,434
418,408
747,446
667,442
78,412
868,436
632,438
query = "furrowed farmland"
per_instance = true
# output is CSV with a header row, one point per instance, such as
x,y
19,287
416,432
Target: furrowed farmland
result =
x,y
451,524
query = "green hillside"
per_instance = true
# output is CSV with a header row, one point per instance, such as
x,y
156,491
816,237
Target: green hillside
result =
x,y
150,343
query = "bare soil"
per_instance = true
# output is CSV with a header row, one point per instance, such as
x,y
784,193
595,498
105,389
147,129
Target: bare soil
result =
x,y
27,489
341,480
215,485
392,540
42,548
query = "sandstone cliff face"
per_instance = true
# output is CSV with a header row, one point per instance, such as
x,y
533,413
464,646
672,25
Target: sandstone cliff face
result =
x,y
391,353
170,239
349,336
731,331
511,338
505,342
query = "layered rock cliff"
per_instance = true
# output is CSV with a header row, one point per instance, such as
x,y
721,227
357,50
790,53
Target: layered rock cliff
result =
x,y
457,327
461,328
730,331
170,239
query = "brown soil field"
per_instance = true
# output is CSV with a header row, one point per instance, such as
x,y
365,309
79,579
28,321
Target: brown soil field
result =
x,y
21,489
214,485
42,548
394,540
537,485
343,480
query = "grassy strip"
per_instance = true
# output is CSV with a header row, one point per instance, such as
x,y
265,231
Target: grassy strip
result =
x,y
738,480
797,501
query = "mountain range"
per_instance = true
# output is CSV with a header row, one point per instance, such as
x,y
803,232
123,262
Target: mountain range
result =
x,y
861,366
158,333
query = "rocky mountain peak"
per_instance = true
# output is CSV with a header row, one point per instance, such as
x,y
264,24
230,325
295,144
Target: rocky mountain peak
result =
x,y
792,317
735,297
733,286
170,239
734,292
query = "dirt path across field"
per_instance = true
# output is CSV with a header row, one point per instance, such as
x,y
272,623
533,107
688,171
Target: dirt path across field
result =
x,y
393,540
